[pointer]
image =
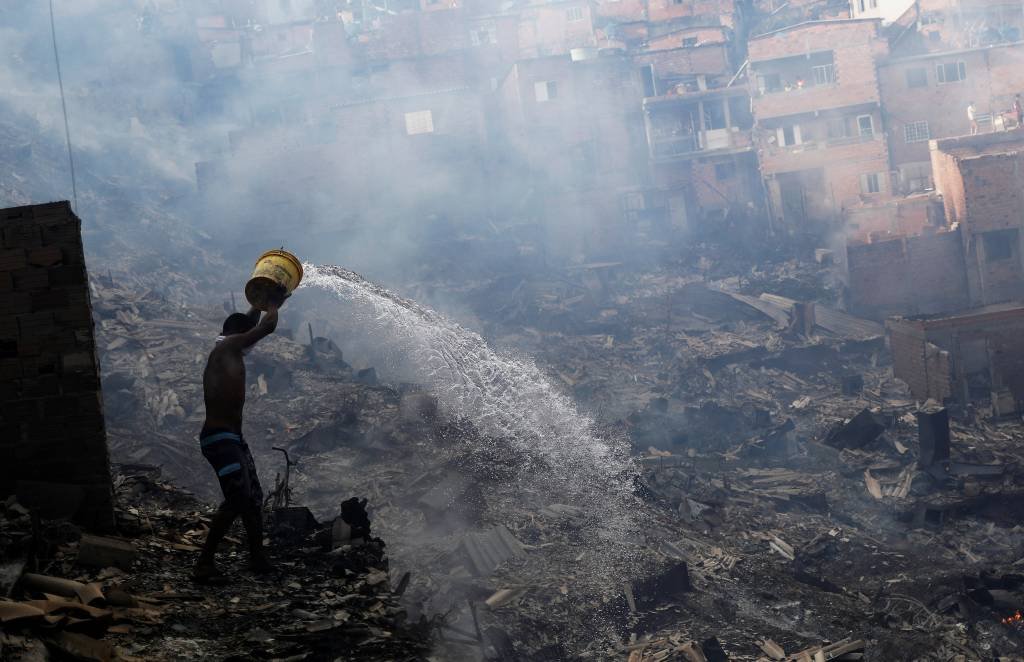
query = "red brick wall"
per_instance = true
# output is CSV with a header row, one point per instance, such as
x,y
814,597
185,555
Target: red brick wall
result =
x,y
940,370
412,34
907,276
925,368
985,193
52,429
949,185
899,216
992,189
710,59
546,30
675,39
666,10
623,9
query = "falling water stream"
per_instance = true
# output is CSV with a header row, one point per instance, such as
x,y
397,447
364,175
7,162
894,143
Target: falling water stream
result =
x,y
517,411
506,397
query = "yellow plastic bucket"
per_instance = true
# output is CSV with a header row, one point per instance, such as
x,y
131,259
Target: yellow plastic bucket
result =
x,y
274,270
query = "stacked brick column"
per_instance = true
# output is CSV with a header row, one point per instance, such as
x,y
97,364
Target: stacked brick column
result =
x,y
52,433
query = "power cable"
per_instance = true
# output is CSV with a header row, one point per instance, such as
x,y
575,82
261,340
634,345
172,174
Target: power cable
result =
x,y
64,107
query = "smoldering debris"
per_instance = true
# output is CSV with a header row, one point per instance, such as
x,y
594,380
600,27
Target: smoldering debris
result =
x,y
758,535
330,598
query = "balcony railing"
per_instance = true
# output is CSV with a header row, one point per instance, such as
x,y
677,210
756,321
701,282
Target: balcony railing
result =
x,y
704,141
674,146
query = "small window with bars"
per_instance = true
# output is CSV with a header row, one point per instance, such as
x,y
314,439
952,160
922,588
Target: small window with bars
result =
x,y
870,183
951,72
824,74
916,132
418,122
574,13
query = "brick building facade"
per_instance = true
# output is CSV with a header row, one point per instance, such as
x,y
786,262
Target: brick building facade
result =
x,y
52,430
926,97
818,128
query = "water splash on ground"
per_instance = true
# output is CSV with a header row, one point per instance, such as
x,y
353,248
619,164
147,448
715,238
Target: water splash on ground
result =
x,y
558,456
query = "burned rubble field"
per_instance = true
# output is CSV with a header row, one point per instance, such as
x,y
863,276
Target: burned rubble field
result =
x,y
791,511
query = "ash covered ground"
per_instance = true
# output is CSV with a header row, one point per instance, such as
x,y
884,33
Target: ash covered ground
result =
x,y
683,450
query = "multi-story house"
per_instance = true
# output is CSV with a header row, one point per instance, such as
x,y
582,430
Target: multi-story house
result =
x,y
818,125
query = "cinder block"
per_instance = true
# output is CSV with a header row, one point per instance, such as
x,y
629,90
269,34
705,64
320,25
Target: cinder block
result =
x,y
22,235
77,362
14,303
30,279
49,300
11,259
39,387
45,256
68,275
10,369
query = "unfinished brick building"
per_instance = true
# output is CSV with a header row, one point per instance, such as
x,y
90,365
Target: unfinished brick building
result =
x,y
818,127
967,357
52,431
981,180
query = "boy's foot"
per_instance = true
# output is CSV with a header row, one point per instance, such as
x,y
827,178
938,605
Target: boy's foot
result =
x,y
208,573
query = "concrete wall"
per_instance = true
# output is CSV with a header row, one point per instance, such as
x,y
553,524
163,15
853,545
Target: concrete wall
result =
x,y
52,434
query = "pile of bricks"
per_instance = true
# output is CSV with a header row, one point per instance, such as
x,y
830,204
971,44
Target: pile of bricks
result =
x,y
52,432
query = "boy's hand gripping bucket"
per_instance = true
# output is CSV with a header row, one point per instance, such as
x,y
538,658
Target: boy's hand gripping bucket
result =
x,y
277,272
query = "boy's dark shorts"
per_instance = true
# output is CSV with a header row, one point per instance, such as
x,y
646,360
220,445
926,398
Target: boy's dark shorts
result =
x,y
229,456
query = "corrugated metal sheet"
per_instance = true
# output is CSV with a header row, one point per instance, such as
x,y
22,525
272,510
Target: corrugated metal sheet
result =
x,y
486,550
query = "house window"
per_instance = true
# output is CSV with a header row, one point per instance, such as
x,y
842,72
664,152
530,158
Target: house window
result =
x,y
860,3
917,77
916,132
545,90
999,244
689,42
837,128
789,135
769,83
714,115
483,34
725,171
874,4
574,13
824,74
865,126
870,183
951,72
420,121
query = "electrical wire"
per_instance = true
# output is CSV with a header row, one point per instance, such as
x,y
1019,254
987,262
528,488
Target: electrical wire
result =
x,y
64,107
